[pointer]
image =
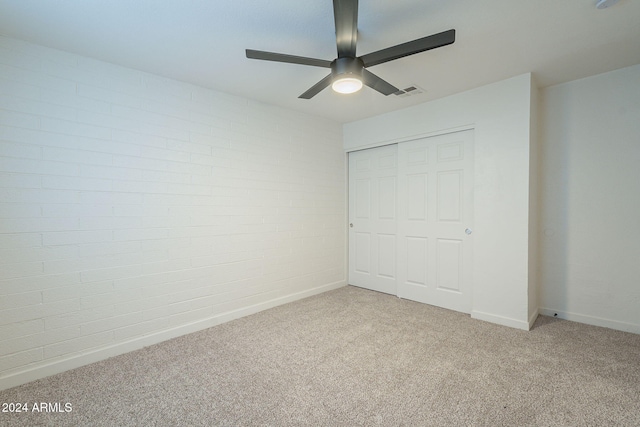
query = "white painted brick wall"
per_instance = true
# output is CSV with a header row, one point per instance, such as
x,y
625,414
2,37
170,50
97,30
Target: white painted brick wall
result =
x,y
131,204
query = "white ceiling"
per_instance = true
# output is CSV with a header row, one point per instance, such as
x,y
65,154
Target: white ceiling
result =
x,y
203,42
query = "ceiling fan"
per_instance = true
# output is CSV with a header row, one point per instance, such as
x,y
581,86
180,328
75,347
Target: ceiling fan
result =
x,y
349,72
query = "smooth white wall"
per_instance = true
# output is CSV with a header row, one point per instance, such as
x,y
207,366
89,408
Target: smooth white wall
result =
x,y
135,208
590,184
500,113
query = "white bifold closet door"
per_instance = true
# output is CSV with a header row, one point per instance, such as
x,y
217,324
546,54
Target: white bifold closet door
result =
x,y
411,211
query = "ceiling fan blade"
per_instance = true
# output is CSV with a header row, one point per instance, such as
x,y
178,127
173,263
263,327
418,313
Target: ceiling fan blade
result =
x,y
345,13
317,88
409,48
291,59
377,83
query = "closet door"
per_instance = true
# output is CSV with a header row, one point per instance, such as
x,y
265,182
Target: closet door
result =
x,y
373,218
435,214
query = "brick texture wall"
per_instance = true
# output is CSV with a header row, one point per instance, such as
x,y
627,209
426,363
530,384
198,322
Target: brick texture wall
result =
x,y
134,208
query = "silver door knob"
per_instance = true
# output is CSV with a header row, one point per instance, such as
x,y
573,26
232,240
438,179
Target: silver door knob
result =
x,y
351,225
468,231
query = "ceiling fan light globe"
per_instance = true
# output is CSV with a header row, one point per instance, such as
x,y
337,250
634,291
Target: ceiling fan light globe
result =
x,y
347,85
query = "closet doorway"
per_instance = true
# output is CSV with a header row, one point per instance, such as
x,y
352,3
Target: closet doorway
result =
x,y
411,220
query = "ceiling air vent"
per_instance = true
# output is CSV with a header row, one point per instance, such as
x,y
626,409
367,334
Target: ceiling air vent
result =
x,y
410,91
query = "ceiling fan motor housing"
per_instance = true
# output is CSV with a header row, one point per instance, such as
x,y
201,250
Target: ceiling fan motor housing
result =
x,y
347,67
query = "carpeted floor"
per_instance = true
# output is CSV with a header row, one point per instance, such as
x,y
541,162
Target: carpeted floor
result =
x,y
353,357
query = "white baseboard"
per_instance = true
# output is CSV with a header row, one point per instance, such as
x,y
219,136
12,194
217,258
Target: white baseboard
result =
x,y
95,355
500,320
591,320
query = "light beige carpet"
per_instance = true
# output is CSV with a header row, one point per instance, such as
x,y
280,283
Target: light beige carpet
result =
x,y
353,357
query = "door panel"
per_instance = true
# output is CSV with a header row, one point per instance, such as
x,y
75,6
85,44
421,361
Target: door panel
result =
x,y
387,198
451,152
435,199
363,253
387,255
362,198
373,213
417,254
449,195
449,264
417,185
